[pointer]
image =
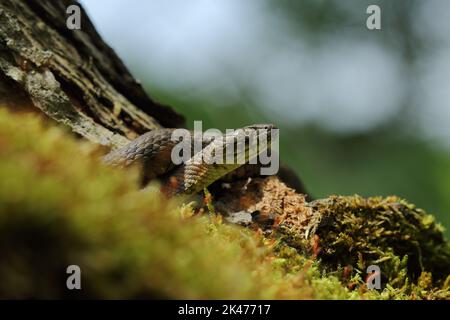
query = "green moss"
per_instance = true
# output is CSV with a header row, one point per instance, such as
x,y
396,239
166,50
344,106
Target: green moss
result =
x,y
60,206
353,232
388,232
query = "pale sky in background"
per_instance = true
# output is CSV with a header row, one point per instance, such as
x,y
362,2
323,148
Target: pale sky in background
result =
x,y
214,48
433,93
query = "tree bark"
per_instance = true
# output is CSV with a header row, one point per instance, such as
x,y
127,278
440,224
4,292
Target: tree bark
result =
x,y
72,75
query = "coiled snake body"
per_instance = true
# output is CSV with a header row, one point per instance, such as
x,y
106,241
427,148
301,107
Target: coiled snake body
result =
x,y
153,150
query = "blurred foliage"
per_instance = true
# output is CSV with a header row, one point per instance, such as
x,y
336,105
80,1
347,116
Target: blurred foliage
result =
x,y
60,206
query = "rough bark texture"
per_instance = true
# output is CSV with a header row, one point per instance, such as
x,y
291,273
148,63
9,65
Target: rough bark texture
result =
x,y
72,75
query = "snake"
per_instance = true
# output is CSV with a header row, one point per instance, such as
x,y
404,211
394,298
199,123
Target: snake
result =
x,y
153,151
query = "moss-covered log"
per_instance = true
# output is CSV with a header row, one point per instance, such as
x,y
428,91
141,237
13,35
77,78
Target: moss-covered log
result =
x,y
344,231
133,244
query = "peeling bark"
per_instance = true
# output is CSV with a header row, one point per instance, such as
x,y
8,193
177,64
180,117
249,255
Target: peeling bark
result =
x,y
72,75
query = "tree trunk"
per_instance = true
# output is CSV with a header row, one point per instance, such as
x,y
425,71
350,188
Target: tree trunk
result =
x,y
72,75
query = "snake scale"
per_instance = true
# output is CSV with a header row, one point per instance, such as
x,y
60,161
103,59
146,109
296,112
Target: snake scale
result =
x,y
153,150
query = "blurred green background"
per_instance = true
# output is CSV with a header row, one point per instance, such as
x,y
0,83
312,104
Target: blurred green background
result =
x,y
360,111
